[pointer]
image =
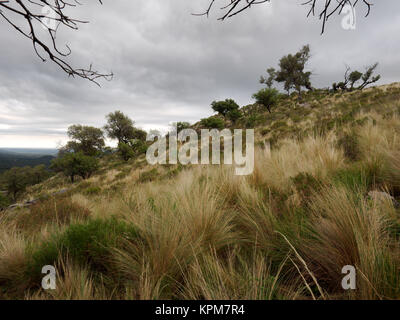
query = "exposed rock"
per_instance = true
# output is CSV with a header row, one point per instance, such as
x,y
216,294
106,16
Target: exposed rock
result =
x,y
383,196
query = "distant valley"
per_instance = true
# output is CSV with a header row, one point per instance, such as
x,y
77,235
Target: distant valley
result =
x,y
15,157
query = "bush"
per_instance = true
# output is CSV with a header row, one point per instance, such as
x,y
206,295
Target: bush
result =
x,y
125,151
51,211
75,164
234,115
92,191
224,107
267,97
87,244
355,179
213,123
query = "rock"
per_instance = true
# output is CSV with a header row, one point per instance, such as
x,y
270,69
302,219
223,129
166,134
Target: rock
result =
x,y
383,196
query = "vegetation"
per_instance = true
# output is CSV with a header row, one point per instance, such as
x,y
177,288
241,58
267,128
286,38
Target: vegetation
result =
x,y
352,77
224,107
134,231
17,179
267,98
292,72
85,139
75,164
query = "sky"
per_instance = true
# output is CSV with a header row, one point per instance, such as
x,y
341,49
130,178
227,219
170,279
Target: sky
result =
x,y
169,65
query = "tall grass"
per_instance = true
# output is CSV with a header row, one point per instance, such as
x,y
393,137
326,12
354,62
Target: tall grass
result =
x,y
284,232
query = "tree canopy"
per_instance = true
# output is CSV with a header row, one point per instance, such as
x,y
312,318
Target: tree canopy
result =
x,y
86,139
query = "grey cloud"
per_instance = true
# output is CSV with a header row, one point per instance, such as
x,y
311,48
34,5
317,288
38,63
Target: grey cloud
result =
x,y
169,65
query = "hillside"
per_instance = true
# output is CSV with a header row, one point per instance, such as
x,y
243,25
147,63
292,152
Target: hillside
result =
x,y
324,196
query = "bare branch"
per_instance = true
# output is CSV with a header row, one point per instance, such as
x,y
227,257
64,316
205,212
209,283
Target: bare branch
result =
x,y
326,8
30,18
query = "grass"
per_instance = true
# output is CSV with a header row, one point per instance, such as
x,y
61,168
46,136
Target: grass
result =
x,y
200,232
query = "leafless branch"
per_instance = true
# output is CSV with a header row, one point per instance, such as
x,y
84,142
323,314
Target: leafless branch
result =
x,y
29,16
326,8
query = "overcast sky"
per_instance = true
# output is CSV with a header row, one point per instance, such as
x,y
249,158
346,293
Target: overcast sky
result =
x,y
170,65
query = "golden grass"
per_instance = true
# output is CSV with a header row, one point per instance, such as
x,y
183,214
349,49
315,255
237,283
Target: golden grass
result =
x,y
208,234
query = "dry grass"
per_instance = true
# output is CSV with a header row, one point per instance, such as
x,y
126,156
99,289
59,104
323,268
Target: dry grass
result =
x,y
284,232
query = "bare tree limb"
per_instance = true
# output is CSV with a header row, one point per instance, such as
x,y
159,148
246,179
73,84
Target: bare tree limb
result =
x,y
326,8
28,18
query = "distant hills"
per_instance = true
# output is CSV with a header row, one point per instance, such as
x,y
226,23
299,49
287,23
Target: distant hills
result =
x,y
14,157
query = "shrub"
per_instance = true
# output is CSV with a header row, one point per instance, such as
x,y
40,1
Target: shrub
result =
x,y
267,97
125,151
84,243
224,107
92,191
234,115
75,164
213,123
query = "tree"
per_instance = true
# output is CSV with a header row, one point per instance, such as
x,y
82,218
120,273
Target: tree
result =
x,y
125,151
213,123
267,97
323,9
75,164
351,78
234,115
271,77
85,139
354,77
292,72
368,77
38,174
16,181
29,17
179,126
223,107
119,126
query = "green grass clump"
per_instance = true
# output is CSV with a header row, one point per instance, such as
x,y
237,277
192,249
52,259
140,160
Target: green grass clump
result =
x,y
87,244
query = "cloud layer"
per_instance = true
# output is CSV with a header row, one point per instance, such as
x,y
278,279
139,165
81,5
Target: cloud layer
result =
x,y
169,65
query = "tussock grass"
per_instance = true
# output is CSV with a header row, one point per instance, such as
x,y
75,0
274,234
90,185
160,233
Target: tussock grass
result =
x,y
200,232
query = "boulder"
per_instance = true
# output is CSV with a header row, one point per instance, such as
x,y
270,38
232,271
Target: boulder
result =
x,y
383,196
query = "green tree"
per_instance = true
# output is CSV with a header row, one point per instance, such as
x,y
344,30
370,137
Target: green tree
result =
x,y
75,164
86,139
213,123
234,115
126,151
267,97
354,77
120,127
38,174
292,71
179,126
223,107
16,180
368,77
271,77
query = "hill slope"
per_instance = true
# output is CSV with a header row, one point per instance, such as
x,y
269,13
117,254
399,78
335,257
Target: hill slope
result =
x,y
322,198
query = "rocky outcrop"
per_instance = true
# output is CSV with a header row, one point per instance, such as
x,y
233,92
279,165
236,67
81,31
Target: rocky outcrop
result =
x,y
383,196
